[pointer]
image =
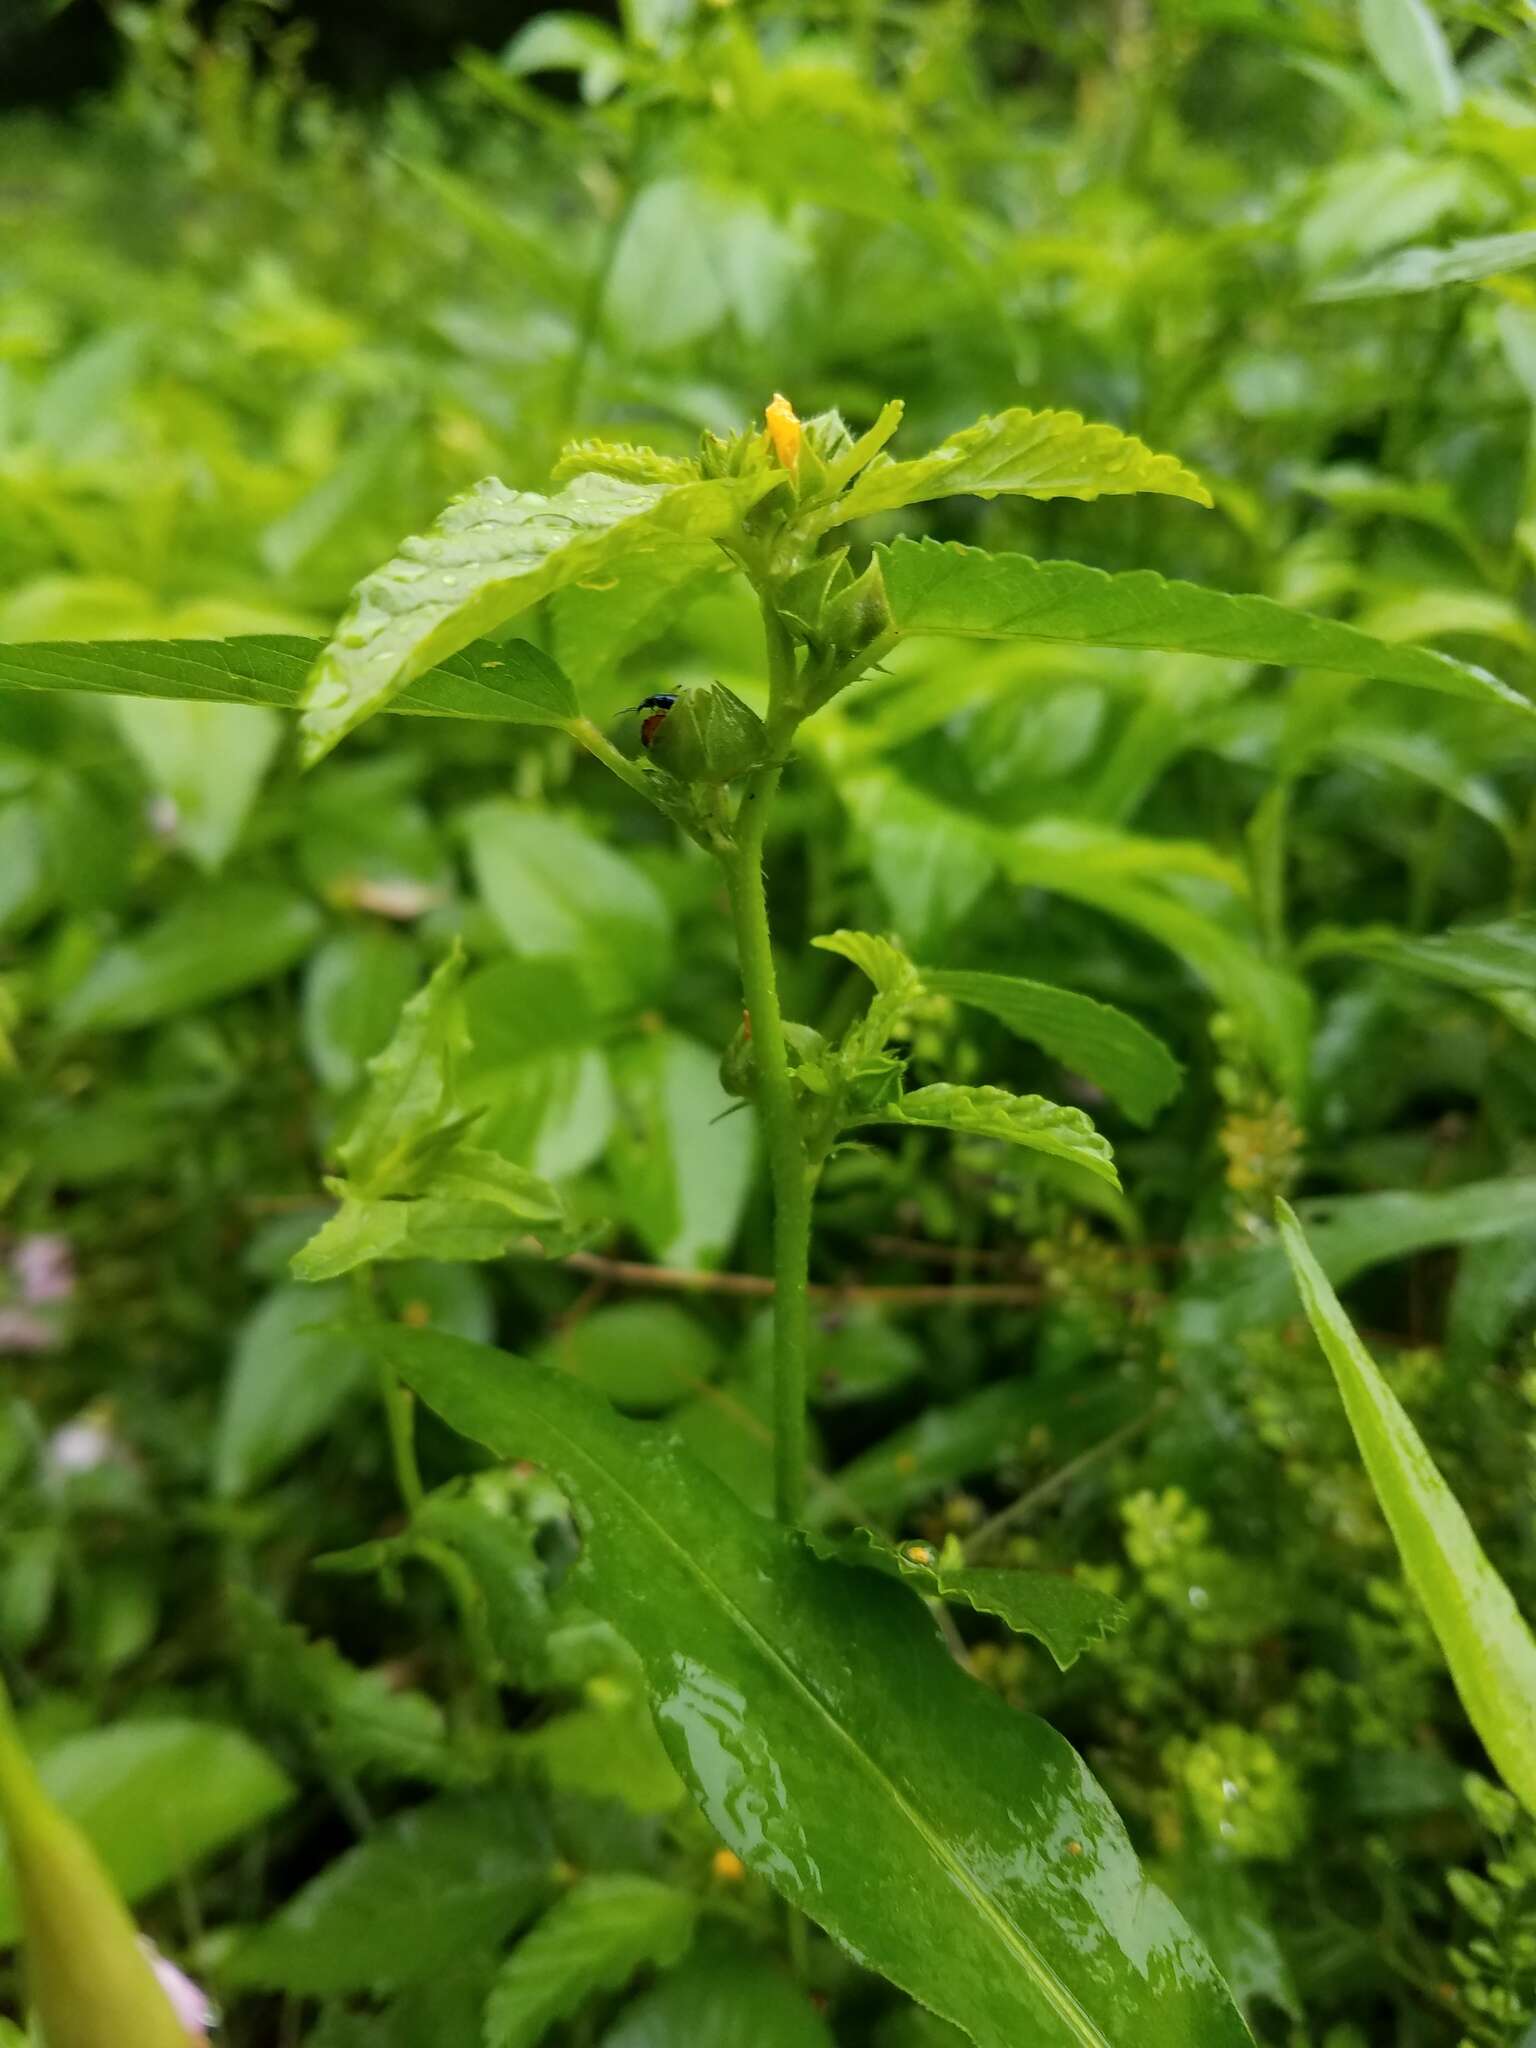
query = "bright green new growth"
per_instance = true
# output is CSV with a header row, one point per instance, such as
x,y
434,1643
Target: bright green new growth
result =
x,y
1486,1640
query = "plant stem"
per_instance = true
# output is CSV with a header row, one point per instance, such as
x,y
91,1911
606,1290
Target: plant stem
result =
x,y
789,1168
399,1406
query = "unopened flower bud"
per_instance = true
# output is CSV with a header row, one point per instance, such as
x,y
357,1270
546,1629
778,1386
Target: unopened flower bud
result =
x,y
783,427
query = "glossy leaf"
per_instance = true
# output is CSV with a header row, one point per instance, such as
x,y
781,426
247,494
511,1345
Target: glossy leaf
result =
x,y
726,1993
1021,454
1027,1120
509,681
1093,1039
833,1742
491,555
1063,1613
1486,1641
214,943
594,1939
154,1797
1430,270
941,587
1226,1910
429,1888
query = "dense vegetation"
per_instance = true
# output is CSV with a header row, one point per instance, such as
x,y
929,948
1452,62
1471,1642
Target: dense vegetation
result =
x,y
359,1715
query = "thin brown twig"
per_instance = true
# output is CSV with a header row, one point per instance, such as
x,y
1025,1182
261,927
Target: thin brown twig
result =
x,y
758,1286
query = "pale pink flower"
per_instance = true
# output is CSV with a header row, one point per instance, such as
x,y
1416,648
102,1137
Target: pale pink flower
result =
x,y
44,1265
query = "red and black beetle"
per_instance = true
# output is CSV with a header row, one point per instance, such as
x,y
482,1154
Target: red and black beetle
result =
x,y
658,707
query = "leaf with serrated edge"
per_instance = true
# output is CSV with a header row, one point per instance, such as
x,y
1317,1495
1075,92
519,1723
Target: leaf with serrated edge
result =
x,y
491,555
942,587
594,1939
1017,1119
511,682
1094,1039
958,1847
1487,1643
1022,454
1063,1613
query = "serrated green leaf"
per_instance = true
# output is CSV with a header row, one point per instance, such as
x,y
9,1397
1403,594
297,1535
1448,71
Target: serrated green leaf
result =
x,y
491,555
1063,1613
896,985
355,1721
1429,270
1021,454
592,1940
942,587
509,681
1094,1039
622,459
154,1797
427,1890
1027,1120
1487,1643
831,1739
438,1224
215,942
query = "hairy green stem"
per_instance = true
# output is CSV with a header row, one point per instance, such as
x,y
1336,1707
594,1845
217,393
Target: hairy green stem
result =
x,y
788,1166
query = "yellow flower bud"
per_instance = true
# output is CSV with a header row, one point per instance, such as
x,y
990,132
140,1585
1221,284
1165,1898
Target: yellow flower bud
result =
x,y
89,1980
783,426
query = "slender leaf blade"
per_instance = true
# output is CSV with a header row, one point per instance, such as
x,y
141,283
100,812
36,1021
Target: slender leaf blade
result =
x,y
509,681
1486,1640
1094,1039
942,587
958,1847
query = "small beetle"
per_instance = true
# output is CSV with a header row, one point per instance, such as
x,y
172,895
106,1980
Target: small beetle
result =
x,y
658,707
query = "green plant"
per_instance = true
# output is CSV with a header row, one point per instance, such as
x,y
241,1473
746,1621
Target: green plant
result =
x,y
1262,920
419,1185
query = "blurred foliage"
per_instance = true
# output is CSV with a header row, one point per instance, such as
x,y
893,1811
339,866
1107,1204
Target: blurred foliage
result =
x,y
248,337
